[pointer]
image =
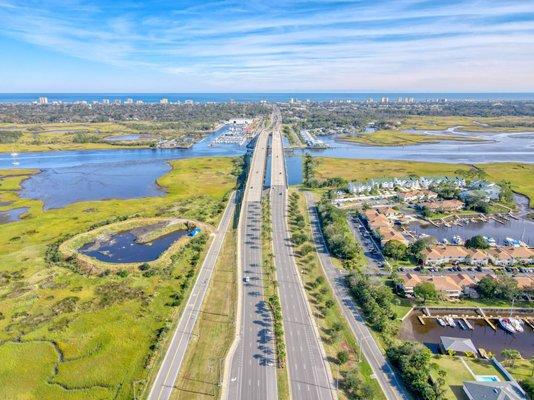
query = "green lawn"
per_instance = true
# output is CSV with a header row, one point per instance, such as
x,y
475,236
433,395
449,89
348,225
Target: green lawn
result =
x,y
105,327
214,332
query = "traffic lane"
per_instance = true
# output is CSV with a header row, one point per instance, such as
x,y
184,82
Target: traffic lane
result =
x,y
309,379
388,381
172,362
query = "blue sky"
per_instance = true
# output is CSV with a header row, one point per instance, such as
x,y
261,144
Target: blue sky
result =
x,y
339,45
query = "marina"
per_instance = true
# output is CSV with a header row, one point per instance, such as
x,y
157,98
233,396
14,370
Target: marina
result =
x,y
491,329
514,229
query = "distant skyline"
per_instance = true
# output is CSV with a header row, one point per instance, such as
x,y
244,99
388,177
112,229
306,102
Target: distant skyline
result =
x,y
259,46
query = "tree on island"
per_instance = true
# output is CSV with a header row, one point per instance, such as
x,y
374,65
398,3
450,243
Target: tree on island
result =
x,y
425,291
477,242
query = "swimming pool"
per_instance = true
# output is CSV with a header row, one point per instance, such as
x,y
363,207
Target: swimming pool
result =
x,y
487,378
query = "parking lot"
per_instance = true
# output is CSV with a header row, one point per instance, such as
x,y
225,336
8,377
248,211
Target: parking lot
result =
x,y
371,248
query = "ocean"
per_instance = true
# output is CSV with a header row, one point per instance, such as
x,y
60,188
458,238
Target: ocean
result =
x,y
256,97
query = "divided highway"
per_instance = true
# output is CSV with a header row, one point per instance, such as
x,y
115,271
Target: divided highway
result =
x,y
309,373
165,379
383,372
251,374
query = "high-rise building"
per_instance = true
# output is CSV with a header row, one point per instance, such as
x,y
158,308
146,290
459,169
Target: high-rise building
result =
x,y
384,100
128,101
164,101
43,100
105,101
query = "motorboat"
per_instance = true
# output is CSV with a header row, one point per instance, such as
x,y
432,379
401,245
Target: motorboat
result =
x,y
450,321
506,324
517,324
14,154
457,240
441,322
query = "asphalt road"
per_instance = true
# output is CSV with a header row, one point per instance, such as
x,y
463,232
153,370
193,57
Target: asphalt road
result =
x,y
309,375
389,382
252,372
170,367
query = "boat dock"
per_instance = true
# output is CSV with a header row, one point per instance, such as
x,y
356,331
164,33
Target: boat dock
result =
x,y
462,316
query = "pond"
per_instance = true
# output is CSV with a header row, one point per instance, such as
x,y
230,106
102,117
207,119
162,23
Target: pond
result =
x,y
123,247
12,215
482,335
521,229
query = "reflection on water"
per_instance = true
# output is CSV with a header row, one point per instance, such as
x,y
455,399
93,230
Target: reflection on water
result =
x,y
12,215
502,147
123,248
482,335
71,176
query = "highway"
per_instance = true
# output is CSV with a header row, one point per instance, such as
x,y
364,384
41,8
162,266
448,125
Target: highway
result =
x,y
390,384
309,373
170,367
250,373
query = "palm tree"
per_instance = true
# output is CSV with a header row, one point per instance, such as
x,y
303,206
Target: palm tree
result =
x,y
511,355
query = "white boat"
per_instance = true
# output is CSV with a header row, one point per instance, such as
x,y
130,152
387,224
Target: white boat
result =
x,y
462,325
445,241
517,324
14,154
15,163
441,322
450,321
457,240
506,324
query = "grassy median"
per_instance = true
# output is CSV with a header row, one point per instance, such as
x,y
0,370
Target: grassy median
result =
x,y
271,295
202,371
349,369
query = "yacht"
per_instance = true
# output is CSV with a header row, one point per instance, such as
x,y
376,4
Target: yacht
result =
x,y
506,324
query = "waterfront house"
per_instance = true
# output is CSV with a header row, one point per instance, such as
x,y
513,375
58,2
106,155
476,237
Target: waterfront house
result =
x,y
444,205
525,283
477,257
521,254
387,233
460,346
500,257
417,195
445,254
444,284
505,390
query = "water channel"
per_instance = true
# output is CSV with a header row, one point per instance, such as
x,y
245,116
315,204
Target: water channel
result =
x,y
71,176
